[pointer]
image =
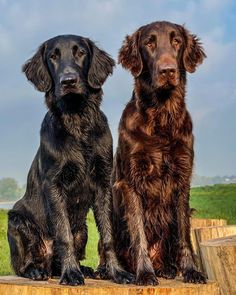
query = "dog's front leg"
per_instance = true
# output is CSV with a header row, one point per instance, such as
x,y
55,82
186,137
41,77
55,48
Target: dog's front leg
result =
x,y
186,260
145,274
63,238
103,215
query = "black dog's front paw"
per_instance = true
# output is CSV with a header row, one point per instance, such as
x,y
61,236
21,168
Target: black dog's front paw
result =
x,y
194,276
87,271
72,277
36,273
146,279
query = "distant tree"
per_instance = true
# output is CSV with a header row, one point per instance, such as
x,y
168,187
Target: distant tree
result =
x,y
9,189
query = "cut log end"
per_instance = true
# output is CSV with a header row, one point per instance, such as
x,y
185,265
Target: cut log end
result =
x,y
219,256
14,285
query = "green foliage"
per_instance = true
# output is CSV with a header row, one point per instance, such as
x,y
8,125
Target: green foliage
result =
x,y
10,189
5,268
218,201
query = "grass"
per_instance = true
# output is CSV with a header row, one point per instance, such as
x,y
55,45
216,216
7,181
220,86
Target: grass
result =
x,y
4,249
218,201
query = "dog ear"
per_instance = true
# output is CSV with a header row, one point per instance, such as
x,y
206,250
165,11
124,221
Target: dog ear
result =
x,y
129,55
100,67
37,72
193,53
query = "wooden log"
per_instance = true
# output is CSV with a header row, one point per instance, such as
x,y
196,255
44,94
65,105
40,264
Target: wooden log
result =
x,y
207,233
202,222
219,256
12,285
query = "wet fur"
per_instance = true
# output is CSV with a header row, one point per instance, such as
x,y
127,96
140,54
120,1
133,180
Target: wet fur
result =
x,y
153,164
70,173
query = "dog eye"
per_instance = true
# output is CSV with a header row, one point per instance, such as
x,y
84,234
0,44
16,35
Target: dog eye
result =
x,y
81,52
176,42
150,43
53,56
78,51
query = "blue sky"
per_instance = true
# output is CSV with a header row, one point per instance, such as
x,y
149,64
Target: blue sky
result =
x,y
211,96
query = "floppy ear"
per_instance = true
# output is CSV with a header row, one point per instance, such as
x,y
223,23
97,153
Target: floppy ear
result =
x,y
193,53
36,71
129,55
101,66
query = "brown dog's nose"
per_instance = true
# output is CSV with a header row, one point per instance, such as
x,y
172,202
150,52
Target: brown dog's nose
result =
x,y
167,70
69,79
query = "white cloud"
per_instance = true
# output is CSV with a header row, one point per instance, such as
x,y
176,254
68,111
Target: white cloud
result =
x,y
25,24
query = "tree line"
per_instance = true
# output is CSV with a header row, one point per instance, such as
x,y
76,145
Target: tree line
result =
x,y
10,190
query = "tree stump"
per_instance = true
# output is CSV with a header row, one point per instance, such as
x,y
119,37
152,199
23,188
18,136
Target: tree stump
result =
x,y
202,222
208,233
12,285
219,257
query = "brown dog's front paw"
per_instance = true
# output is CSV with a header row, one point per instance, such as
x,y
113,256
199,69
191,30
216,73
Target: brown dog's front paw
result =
x,y
119,276
168,272
123,277
72,277
146,279
193,276
101,273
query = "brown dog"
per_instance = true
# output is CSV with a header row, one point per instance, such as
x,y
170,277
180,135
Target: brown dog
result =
x,y
154,159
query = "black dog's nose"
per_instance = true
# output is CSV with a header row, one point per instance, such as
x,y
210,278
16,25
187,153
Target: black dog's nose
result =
x,y
69,79
167,70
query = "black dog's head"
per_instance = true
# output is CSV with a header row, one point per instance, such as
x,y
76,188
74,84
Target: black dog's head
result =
x,y
68,64
161,52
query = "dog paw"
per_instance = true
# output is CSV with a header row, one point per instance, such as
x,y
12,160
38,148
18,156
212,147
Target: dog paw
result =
x,y
36,273
194,276
87,271
123,277
72,277
102,273
146,279
169,272
119,276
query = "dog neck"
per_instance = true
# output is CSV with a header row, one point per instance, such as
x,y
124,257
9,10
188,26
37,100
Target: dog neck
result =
x,y
74,109
160,109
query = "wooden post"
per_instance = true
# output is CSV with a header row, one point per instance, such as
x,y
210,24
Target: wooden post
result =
x,y
219,257
207,233
12,285
202,222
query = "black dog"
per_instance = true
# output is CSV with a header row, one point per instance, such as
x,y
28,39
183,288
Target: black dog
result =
x,y
47,229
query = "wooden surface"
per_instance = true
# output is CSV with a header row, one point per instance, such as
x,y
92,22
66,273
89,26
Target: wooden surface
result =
x,y
12,285
207,233
202,222
219,257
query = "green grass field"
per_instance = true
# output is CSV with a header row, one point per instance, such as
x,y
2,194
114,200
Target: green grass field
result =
x,y
218,201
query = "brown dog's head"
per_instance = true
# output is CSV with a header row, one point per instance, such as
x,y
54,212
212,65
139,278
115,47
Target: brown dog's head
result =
x,y
160,52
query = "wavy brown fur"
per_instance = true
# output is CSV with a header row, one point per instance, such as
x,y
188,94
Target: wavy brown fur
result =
x,y
154,159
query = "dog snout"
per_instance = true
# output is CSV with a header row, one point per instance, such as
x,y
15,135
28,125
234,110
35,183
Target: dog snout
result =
x,y
167,70
69,79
